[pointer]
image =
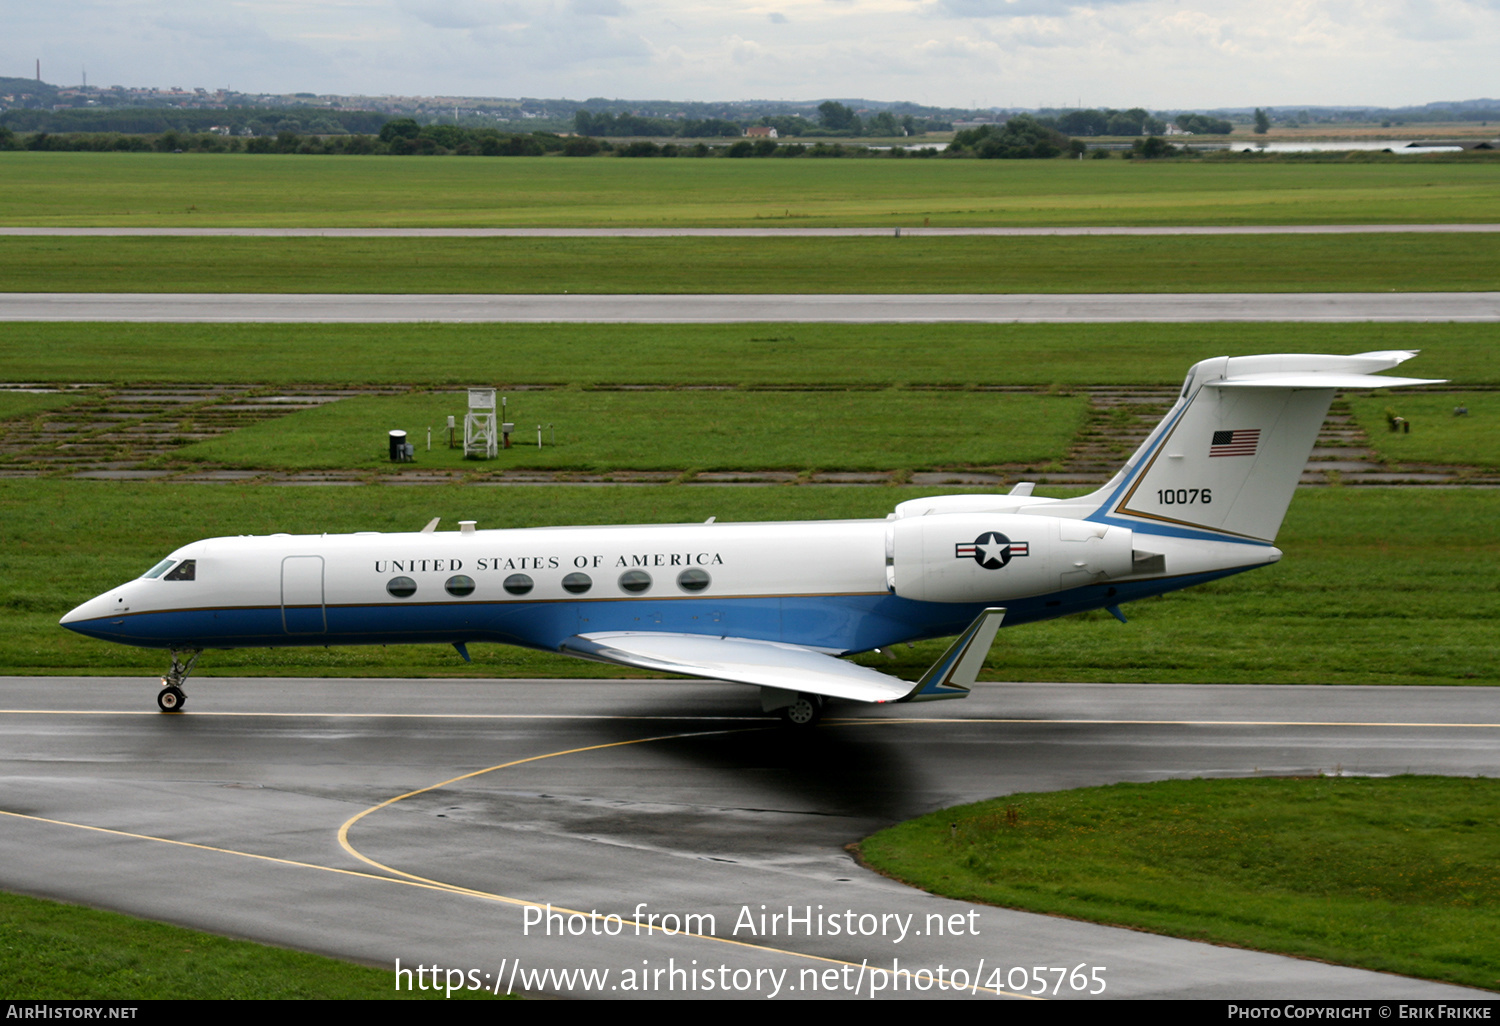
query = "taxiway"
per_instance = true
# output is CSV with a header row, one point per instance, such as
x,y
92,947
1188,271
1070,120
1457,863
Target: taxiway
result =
x,y
417,820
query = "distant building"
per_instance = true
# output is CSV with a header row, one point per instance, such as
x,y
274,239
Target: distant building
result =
x,y
760,132
996,121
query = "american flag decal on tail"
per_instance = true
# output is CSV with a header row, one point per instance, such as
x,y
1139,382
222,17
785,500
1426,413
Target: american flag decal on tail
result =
x,y
1235,443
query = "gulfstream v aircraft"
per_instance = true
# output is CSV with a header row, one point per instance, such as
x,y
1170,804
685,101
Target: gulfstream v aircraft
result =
x,y
776,604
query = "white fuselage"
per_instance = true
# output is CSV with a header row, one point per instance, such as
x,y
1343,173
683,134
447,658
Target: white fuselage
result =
x,y
836,586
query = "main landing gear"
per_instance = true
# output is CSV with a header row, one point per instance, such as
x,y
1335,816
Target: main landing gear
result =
x,y
805,712
172,697
796,708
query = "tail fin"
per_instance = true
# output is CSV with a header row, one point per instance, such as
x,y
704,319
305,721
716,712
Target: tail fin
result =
x,y
1228,456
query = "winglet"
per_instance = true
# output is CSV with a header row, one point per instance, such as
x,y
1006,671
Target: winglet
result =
x,y
951,676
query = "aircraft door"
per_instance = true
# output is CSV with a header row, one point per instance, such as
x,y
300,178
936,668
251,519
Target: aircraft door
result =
x,y
302,595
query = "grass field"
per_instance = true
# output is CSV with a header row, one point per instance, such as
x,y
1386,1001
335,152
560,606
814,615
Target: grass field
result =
x,y
1436,435
1377,587
1319,263
53,951
705,354
675,430
1396,875
15,405
303,191
1390,587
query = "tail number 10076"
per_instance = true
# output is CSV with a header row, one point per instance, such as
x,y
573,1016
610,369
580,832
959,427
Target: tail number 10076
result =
x,y
1184,496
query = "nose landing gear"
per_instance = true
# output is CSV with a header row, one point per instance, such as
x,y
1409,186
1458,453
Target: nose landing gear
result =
x,y
172,697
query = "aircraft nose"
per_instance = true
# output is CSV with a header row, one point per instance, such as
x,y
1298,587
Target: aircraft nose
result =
x,y
95,608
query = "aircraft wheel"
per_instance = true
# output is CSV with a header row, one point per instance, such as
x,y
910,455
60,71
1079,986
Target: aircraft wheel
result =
x,y
171,699
806,711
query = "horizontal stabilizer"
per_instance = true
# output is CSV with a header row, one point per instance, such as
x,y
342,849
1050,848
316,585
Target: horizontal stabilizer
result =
x,y
1305,380
1311,370
790,667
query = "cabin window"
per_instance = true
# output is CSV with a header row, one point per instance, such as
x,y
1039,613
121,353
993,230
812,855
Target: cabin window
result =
x,y
158,569
187,570
518,584
401,587
459,586
577,583
635,581
693,579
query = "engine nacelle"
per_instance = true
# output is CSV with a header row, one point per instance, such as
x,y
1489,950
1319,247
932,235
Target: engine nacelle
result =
x,y
976,557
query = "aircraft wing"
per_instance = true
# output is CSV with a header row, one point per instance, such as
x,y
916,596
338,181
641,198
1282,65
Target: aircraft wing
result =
x,y
791,667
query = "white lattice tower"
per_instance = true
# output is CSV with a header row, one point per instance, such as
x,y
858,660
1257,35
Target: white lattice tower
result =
x,y
481,436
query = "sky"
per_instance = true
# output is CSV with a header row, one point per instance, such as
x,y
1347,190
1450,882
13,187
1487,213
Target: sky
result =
x,y
1158,54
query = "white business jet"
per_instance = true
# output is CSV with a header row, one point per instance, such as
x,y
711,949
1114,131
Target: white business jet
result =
x,y
776,604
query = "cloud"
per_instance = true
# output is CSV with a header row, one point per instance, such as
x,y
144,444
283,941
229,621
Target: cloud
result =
x,y
1441,20
601,8
461,14
1019,8
1119,53
500,44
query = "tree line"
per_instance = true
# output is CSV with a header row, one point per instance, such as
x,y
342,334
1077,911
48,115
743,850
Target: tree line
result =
x,y
607,123
1132,122
834,119
1022,137
428,140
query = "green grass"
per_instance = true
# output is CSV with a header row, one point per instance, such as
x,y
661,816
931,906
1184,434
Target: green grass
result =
x,y
22,405
1322,263
1436,436
674,430
301,191
51,951
20,411
1396,875
1377,586
733,354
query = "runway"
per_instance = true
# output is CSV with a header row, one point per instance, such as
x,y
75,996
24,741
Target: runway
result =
x,y
747,233
672,799
1457,307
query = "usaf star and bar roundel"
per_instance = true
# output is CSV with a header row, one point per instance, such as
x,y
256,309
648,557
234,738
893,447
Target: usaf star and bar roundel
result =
x,y
991,550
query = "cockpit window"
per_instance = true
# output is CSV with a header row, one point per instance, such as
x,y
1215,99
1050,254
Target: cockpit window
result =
x,y
156,571
185,571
